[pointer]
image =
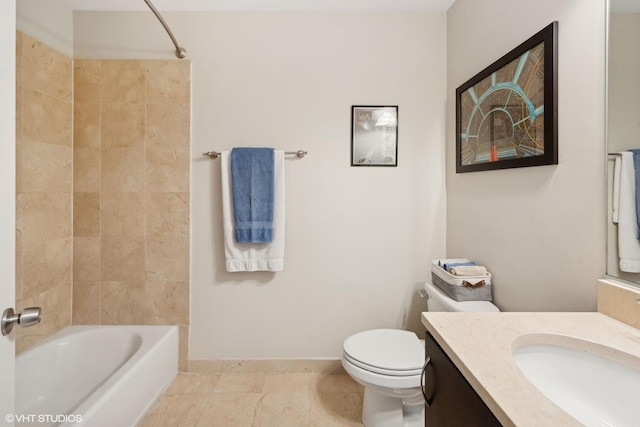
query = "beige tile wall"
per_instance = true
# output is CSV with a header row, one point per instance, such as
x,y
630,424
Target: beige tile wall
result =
x,y
43,187
102,191
619,301
131,193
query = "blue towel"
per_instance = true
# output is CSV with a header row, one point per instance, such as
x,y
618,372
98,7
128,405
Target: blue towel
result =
x,y
448,266
252,182
636,165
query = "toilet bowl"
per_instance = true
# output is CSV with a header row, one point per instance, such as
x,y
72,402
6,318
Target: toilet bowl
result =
x,y
388,364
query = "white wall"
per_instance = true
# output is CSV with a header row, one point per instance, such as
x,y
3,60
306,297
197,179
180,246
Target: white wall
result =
x,y
358,240
50,22
7,196
624,92
540,230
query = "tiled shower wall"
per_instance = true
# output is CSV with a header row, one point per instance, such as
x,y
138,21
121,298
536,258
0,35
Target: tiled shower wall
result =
x,y
102,191
131,194
43,187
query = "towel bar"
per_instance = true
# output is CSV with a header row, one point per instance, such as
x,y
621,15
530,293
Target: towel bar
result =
x,y
214,154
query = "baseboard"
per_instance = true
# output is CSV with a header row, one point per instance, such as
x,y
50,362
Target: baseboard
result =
x,y
326,366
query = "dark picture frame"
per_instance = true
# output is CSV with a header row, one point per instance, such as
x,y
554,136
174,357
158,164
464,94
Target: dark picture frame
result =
x,y
507,114
374,135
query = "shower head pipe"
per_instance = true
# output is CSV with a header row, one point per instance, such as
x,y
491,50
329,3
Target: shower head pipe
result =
x,y
180,51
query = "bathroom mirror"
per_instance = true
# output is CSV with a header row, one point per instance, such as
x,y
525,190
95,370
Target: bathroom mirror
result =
x,y
623,119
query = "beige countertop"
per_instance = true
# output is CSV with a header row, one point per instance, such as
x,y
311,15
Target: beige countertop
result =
x,y
480,344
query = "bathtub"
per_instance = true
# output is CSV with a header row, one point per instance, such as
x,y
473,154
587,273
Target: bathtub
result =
x,y
95,376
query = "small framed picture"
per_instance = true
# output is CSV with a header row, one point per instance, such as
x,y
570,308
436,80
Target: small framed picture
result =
x,y
374,135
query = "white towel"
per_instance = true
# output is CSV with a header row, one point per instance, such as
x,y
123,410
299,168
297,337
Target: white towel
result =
x,y
615,208
628,243
253,256
469,270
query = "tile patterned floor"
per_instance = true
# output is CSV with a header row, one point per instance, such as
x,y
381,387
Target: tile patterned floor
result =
x,y
258,399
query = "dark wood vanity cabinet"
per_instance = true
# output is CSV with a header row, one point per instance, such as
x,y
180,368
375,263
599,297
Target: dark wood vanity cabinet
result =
x,y
452,402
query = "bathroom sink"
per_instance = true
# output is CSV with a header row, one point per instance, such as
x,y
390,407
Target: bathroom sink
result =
x,y
595,384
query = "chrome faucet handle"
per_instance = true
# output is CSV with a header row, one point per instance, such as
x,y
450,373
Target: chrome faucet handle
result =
x,y
30,316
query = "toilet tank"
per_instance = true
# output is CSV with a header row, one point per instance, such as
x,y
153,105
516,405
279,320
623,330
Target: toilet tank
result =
x,y
439,301
435,298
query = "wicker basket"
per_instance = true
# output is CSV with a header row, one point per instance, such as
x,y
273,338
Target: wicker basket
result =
x,y
461,288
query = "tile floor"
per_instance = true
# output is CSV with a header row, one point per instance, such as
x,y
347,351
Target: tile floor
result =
x,y
258,399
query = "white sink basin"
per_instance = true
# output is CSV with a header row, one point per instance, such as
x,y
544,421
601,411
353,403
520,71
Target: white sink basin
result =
x,y
596,390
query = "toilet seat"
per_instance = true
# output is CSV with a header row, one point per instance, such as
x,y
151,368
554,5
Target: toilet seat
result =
x,y
390,352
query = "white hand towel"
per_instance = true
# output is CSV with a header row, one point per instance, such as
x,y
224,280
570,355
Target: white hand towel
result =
x,y
615,208
628,243
253,256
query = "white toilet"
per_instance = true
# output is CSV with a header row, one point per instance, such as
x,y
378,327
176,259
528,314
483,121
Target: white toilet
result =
x,y
388,364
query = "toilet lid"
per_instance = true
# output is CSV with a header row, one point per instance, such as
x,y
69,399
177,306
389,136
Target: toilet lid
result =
x,y
386,351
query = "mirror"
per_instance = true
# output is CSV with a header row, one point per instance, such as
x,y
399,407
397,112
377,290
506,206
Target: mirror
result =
x,y
623,133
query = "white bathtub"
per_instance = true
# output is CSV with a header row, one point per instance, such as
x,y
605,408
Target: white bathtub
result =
x,y
94,376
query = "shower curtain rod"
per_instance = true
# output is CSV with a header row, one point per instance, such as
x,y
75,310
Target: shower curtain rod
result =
x,y
180,51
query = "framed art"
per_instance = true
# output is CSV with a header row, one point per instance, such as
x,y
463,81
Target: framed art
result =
x,y
507,115
374,135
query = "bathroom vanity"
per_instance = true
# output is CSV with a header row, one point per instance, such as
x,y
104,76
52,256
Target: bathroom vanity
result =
x,y
482,369
451,399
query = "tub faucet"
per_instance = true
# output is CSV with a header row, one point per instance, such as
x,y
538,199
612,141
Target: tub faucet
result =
x,y
30,316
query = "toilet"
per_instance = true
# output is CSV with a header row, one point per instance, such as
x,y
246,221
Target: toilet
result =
x,y
388,364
